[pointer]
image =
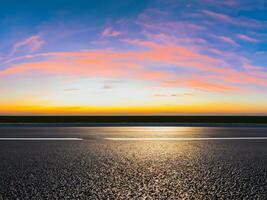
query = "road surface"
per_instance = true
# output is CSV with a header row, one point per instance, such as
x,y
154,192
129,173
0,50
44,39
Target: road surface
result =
x,y
133,162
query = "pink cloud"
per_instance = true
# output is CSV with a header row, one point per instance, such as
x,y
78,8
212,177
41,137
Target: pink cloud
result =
x,y
229,2
246,22
110,32
252,67
153,21
33,43
176,55
199,71
247,38
228,40
219,16
225,2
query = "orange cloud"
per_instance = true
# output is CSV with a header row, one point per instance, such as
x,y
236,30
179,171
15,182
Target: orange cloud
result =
x,y
200,84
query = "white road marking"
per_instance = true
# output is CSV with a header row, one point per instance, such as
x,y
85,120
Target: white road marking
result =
x,y
36,139
186,139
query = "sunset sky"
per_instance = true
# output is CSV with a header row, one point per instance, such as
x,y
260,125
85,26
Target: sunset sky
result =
x,y
112,57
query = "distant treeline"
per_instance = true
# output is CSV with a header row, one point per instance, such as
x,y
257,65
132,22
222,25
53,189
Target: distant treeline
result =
x,y
134,119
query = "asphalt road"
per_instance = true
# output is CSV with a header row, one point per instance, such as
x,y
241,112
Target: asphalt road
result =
x,y
98,168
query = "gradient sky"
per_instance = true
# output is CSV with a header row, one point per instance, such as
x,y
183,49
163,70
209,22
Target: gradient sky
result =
x,y
133,57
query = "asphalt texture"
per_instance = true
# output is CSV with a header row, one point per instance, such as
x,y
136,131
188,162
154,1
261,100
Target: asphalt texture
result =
x,y
96,168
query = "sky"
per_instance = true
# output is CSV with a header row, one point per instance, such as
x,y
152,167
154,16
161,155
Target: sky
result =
x,y
133,57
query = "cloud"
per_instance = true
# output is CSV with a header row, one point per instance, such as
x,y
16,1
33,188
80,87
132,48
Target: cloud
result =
x,y
211,86
228,40
71,89
107,87
152,21
32,43
190,68
110,32
228,2
219,16
225,2
199,83
174,95
244,22
247,38
252,67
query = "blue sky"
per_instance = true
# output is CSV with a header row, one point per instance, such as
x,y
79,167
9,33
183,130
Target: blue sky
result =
x,y
113,57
